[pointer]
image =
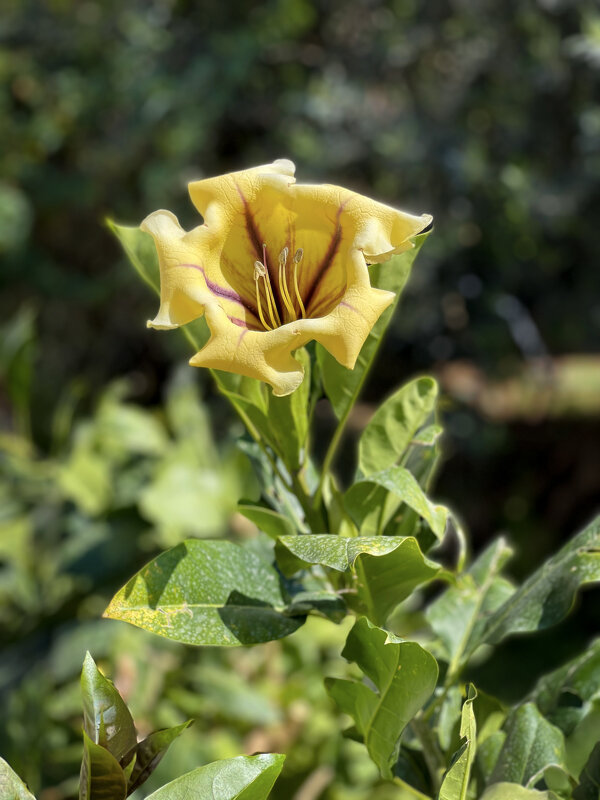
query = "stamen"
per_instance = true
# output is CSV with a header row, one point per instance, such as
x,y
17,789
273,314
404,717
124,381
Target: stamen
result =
x,y
285,294
298,255
260,272
273,313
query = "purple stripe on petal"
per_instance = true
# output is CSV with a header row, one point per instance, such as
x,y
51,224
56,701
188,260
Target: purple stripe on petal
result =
x,y
243,324
219,291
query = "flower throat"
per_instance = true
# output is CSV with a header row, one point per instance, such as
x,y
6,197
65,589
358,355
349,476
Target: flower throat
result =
x,y
270,316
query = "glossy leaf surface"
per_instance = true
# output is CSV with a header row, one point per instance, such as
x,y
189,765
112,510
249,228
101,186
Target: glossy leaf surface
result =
x,y
242,778
207,593
106,718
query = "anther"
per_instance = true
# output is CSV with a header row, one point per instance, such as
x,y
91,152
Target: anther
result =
x,y
298,255
259,270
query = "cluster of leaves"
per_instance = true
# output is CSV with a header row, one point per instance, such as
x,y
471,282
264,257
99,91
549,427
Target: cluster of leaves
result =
x,y
115,763
76,521
363,551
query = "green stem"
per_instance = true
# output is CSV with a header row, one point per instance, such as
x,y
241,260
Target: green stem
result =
x,y
330,454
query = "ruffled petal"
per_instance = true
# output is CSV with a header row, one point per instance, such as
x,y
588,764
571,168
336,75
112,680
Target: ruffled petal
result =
x,y
312,244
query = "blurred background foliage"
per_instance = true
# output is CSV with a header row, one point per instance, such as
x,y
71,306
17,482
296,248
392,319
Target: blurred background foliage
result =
x,y
483,113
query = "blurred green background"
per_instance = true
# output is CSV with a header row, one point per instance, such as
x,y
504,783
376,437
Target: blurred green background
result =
x,y
482,113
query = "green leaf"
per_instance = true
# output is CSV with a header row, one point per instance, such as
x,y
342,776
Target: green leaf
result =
x,y
288,418
366,501
241,778
106,718
342,386
388,569
458,616
147,754
456,780
11,786
512,791
396,424
569,697
140,250
206,593
404,675
532,745
101,776
268,521
589,779
547,596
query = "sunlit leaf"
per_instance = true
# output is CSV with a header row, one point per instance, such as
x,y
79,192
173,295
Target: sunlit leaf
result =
x,y
404,676
512,791
11,786
456,780
267,520
242,778
207,593
396,425
365,501
387,569
547,596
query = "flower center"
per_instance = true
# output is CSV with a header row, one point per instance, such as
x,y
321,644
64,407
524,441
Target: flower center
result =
x,y
287,285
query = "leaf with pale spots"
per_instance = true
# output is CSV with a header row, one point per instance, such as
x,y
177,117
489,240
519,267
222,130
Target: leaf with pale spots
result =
x,y
11,786
207,593
533,749
387,568
404,676
547,596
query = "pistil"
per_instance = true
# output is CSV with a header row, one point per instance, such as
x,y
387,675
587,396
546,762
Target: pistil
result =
x,y
298,255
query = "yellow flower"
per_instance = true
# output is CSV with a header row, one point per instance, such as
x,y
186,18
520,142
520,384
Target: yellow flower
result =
x,y
275,265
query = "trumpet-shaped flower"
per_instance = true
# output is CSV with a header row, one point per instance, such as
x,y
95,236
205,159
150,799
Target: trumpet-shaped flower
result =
x,y
275,265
